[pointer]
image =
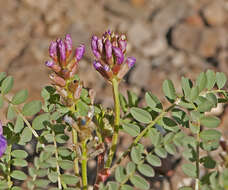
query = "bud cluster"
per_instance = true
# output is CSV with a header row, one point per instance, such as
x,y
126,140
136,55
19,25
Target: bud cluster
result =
x,y
110,55
64,65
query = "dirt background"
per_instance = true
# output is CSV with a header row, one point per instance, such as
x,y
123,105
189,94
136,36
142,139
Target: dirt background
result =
x,y
169,38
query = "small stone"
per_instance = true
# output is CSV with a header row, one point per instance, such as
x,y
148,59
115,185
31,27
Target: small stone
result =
x,y
215,13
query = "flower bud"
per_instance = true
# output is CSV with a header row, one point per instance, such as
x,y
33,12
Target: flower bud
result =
x,y
53,50
68,44
100,45
104,71
57,80
74,70
79,52
130,61
62,51
119,55
56,68
94,43
122,43
108,49
78,90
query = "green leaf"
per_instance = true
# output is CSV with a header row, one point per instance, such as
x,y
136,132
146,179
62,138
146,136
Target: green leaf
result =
x,y
3,184
112,185
201,81
11,113
186,86
61,138
141,115
139,182
204,105
38,122
194,128
210,134
208,162
210,79
194,93
169,90
146,170
19,154
82,108
16,174
126,187
132,98
69,179
161,152
220,79
170,148
53,176
7,85
189,169
153,102
19,162
16,188
212,98
2,76
19,124
64,151
32,108
131,129
130,168
66,164
154,136
20,97
42,182
47,91
153,160
26,135
210,121
119,174
123,103
1,101
136,154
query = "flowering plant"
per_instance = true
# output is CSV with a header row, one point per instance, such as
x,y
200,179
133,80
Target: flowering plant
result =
x,y
68,129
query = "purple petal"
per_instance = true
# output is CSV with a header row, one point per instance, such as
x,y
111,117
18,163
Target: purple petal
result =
x,y
131,61
96,54
62,50
3,145
106,68
97,64
94,43
100,45
68,42
79,52
1,129
49,63
119,55
53,50
122,45
108,49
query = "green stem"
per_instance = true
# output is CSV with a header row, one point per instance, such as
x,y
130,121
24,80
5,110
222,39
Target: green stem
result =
x,y
57,162
75,141
84,165
197,158
112,151
9,170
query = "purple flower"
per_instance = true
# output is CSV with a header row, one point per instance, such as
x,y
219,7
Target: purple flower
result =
x,y
122,45
49,63
108,49
3,142
100,45
97,65
62,49
79,52
53,50
119,55
68,43
94,43
130,61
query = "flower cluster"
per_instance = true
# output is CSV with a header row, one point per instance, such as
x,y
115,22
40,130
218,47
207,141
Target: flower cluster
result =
x,y
110,54
64,65
3,142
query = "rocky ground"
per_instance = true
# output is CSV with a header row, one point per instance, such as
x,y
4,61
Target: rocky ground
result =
x,y
169,38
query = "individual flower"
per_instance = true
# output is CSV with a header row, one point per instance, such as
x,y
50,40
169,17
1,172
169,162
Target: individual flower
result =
x,y
110,55
3,142
64,65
